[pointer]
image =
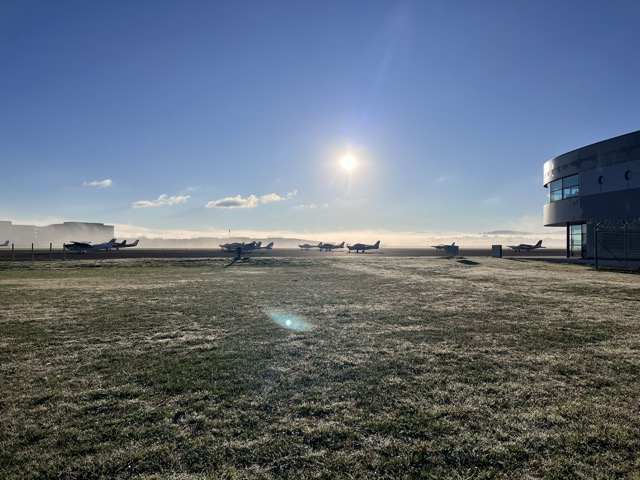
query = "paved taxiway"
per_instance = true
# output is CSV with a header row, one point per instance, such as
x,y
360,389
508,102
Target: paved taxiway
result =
x,y
137,252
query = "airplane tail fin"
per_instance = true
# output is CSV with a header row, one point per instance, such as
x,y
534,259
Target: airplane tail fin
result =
x,y
341,245
269,246
377,244
134,243
453,244
539,244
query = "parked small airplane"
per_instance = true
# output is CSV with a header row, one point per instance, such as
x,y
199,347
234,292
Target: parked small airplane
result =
x,y
361,247
327,247
230,246
83,247
306,246
244,247
124,244
526,247
5,244
442,246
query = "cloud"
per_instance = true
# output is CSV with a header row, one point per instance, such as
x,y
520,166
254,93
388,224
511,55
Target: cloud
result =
x,y
251,201
271,197
107,182
311,206
234,202
161,200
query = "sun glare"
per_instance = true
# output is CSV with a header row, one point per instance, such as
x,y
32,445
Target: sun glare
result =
x,y
348,162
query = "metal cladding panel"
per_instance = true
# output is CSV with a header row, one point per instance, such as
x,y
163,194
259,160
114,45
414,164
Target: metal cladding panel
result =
x,y
609,152
620,204
562,212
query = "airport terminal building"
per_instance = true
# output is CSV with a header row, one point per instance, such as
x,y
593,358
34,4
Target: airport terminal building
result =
x,y
594,192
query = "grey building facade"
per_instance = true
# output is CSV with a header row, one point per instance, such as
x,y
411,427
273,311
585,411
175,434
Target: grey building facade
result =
x,y
594,192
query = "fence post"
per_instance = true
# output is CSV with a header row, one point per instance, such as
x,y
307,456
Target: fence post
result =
x,y
64,253
596,243
626,243
50,252
32,254
13,252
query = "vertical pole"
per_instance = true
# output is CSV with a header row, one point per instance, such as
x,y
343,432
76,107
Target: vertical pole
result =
x,y
626,244
64,253
13,252
596,243
50,251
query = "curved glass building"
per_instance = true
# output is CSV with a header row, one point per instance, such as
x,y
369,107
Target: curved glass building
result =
x,y
595,190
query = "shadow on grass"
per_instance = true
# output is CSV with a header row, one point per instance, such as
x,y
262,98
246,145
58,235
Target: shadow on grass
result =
x,y
468,262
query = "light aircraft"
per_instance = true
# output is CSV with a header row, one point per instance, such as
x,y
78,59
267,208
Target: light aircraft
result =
x,y
5,244
526,247
306,246
442,246
327,247
230,246
244,247
124,244
361,247
83,247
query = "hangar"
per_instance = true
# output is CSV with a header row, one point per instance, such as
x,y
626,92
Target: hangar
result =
x,y
594,192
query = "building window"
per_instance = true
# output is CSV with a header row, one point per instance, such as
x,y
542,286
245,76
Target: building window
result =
x,y
562,188
577,240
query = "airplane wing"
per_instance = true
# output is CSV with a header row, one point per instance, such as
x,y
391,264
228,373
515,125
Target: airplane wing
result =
x,y
81,244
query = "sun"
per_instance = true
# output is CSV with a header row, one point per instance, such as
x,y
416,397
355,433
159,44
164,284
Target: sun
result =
x,y
348,162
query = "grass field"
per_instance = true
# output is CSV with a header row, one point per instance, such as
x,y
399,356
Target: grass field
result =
x,y
343,367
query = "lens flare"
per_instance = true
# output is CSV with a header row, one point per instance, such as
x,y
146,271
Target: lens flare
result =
x,y
290,321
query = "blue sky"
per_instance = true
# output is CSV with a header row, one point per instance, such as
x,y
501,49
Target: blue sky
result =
x,y
201,116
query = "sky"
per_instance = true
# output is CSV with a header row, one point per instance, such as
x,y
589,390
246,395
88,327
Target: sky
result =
x,y
179,118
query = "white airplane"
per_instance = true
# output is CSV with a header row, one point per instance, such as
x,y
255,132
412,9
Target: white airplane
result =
x,y
327,247
83,247
361,247
5,244
442,246
306,246
244,247
526,247
230,246
124,244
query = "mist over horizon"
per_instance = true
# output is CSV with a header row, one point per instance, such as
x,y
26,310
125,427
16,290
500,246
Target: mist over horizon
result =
x,y
555,238
211,238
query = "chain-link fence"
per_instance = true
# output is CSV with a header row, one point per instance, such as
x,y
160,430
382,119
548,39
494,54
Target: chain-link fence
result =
x,y
617,242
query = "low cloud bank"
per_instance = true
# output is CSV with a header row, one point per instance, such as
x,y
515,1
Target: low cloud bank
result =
x,y
553,238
